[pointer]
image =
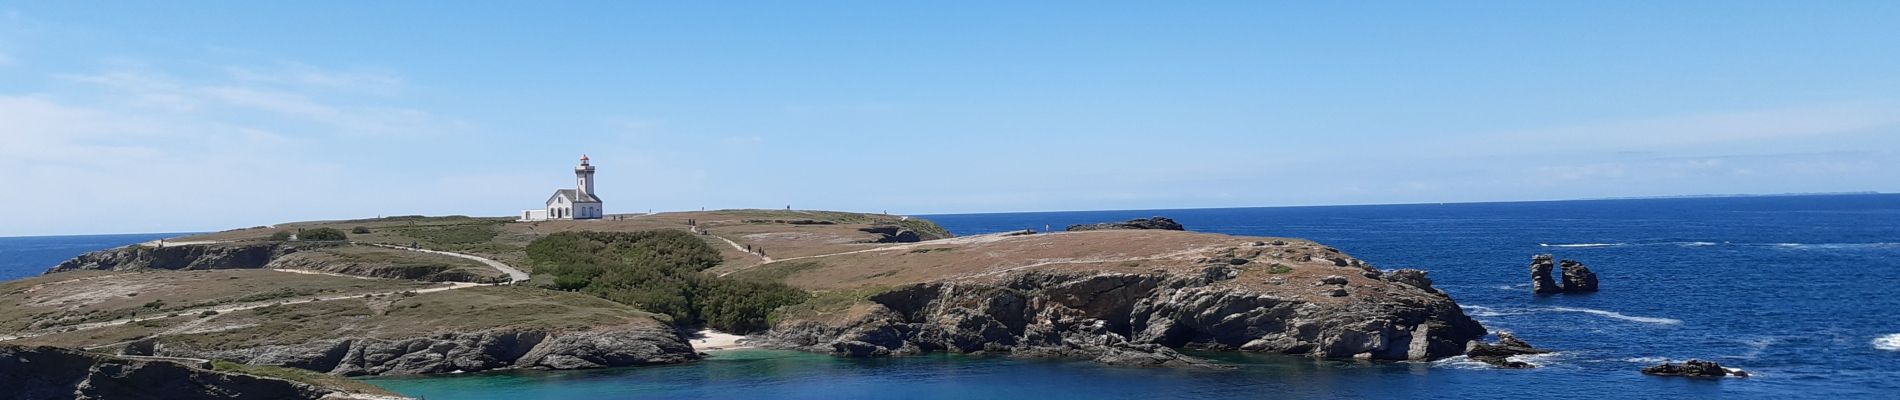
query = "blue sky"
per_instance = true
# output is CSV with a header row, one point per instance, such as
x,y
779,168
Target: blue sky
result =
x,y
174,116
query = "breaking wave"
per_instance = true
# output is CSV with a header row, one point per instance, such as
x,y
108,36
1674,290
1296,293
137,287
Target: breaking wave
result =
x,y
1460,362
1580,245
1617,315
1835,246
1888,343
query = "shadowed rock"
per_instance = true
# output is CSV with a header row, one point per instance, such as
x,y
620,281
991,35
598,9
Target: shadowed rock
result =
x,y
1692,368
893,234
1163,223
1541,282
1499,354
1577,278
54,373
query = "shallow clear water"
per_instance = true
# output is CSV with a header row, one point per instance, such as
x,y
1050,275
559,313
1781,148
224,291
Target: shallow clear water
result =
x,y
1799,290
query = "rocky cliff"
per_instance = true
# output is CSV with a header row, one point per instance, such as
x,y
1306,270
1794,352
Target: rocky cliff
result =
x,y
1227,302
452,352
53,373
237,255
1162,223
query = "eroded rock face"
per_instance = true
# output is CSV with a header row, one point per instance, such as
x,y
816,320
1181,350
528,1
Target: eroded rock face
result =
x,y
451,352
186,257
1163,223
55,373
1110,317
1577,278
1541,282
893,234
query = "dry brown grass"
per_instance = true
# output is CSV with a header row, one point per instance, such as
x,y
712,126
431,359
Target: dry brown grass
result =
x,y
397,316
90,296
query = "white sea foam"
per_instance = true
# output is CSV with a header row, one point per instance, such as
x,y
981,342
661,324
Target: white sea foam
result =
x,y
1888,343
1834,246
1460,362
1757,346
1580,245
1541,360
1617,315
1697,244
1647,360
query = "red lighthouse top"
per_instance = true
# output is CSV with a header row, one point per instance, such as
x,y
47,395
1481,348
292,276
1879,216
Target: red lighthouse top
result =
x,y
583,157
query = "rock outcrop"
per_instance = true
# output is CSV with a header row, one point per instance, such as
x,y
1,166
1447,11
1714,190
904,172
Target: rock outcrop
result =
x,y
893,234
238,255
1136,319
453,352
1577,278
1541,282
1693,368
55,373
1499,354
1162,223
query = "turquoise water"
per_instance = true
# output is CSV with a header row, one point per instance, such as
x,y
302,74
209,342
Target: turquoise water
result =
x,y
778,374
1799,290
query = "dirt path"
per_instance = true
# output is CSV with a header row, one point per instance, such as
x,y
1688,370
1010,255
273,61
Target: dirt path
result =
x,y
735,245
960,240
514,275
163,242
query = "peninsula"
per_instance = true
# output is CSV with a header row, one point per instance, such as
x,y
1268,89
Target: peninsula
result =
x,y
430,295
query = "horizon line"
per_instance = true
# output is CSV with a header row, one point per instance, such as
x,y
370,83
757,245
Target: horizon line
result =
x,y
1663,197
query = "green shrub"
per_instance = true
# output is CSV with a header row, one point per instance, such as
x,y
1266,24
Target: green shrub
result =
x,y
321,234
359,230
280,236
659,271
1278,268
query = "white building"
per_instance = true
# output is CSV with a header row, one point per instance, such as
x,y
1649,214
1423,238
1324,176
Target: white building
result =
x,y
576,203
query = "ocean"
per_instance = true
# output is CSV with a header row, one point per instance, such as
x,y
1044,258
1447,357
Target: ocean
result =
x,y
25,256
1798,290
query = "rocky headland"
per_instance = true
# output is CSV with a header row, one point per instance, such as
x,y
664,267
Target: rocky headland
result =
x,y
1128,293
1180,290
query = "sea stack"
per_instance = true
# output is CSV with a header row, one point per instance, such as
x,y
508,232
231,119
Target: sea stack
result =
x,y
1541,282
1577,278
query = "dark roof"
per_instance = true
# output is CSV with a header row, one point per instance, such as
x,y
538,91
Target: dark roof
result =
x,y
576,196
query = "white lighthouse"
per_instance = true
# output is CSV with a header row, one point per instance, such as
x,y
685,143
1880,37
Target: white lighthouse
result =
x,y
577,203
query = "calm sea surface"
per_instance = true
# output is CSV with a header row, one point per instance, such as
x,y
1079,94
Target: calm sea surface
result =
x,y
1802,291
